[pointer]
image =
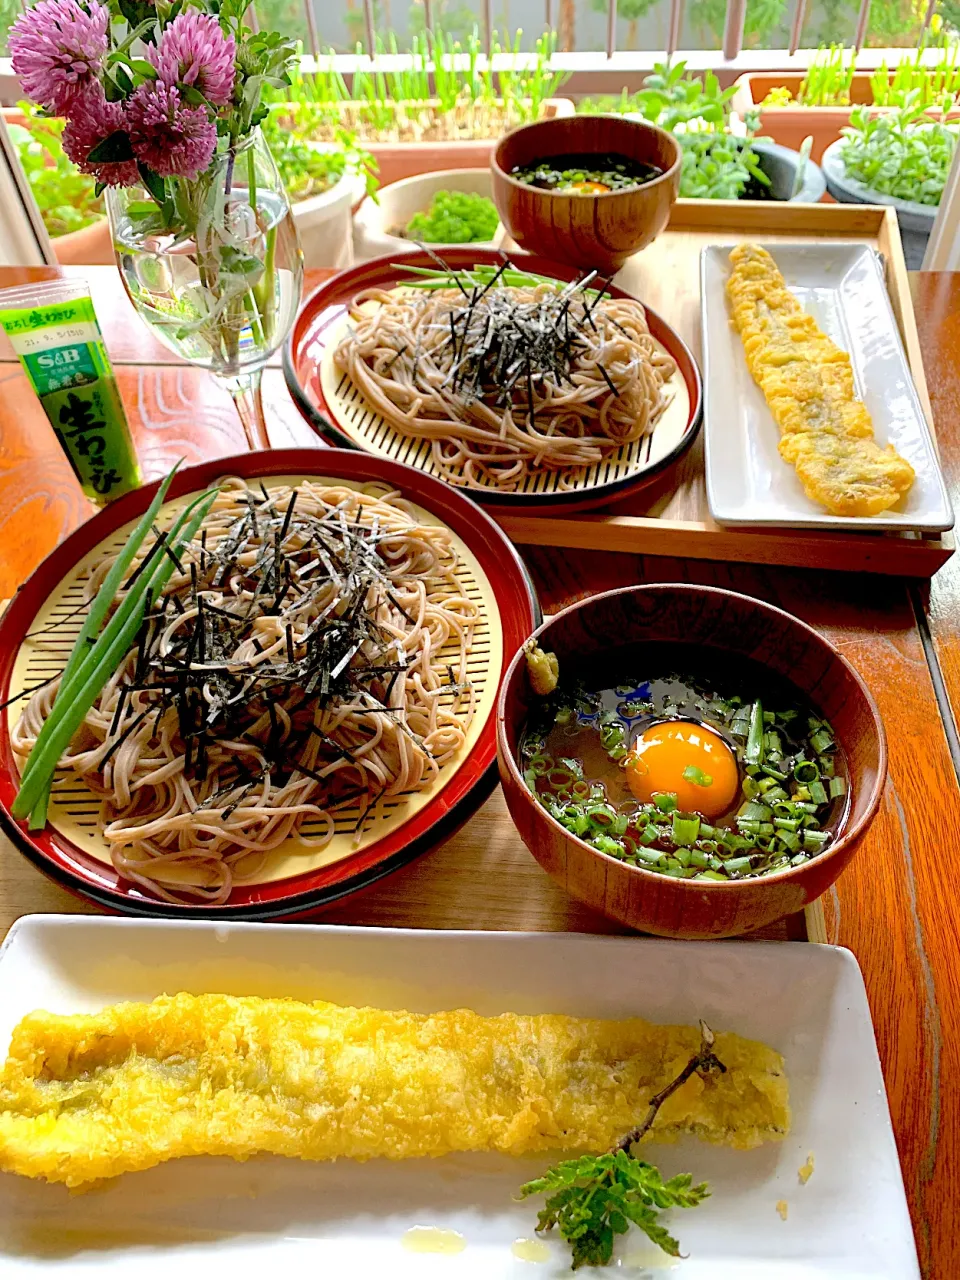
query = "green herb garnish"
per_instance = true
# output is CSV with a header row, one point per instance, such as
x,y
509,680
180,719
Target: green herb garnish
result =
x,y
593,1199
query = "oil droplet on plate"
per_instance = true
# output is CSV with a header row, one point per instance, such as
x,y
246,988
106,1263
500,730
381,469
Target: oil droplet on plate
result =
x,y
652,1259
433,1240
530,1250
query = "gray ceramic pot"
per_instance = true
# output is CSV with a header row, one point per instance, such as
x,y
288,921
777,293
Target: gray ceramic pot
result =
x,y
916,220
780,166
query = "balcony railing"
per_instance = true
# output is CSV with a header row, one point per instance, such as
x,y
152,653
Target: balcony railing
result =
x,y
595,71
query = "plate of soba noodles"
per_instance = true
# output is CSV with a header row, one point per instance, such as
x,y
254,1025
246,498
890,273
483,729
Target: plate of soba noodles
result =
x,y
513,378
257,686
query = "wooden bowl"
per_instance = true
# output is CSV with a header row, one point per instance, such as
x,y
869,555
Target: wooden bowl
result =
x,y
588,231
733,624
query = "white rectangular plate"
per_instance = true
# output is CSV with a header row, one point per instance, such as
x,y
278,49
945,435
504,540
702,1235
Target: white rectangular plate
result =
x,y
272,1217
748,483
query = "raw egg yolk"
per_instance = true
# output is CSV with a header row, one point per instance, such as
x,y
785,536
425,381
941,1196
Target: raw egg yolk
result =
x,y
588,188
688,759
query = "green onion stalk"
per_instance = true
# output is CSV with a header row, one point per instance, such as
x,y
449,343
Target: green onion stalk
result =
x,y
104,642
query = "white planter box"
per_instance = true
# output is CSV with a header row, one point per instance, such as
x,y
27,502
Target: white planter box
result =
x,y
324,222
399,201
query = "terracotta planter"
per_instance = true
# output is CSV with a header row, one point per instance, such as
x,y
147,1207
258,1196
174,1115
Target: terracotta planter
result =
x,y
790,125
398,160
90,246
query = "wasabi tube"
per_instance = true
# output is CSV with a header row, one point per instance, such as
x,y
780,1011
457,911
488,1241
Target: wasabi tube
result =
x,y
54,331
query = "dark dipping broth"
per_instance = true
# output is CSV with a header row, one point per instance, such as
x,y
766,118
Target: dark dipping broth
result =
x,y
695,732
590,174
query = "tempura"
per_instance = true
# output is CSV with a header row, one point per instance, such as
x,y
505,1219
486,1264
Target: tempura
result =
x,y
826,432
90,1096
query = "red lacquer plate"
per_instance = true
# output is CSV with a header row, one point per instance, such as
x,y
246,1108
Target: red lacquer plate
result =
x,y
469,784
334,408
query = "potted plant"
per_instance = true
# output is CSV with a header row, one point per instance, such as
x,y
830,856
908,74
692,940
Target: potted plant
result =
x,y
325,182
819,104
901,158
452,206
721,158
443,111
72,212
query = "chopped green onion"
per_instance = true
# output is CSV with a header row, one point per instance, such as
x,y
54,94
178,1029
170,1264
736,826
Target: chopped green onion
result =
x,y
776,795
685,828
710,875
754,812
666,801
818,793
650,856
699,779
772,772
606,844
754,748
806,771
738,864
821,741
838,787
814,841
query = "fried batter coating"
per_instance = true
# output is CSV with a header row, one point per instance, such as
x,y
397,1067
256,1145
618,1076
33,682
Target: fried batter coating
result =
x,y
91,1096
827,433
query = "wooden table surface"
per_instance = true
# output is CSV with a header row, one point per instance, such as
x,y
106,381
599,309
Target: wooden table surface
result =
x,y
895,908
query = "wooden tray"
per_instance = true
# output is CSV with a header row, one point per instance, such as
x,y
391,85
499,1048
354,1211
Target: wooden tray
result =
x,y
671,517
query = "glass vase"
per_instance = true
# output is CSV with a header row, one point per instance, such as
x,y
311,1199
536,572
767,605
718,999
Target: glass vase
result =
x,y
215,270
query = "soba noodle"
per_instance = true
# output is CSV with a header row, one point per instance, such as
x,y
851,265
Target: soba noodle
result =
x,y
291,670
594,383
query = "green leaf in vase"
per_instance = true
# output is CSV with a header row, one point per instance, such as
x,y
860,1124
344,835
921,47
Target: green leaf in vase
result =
x,y
114,149
153,182
236,262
